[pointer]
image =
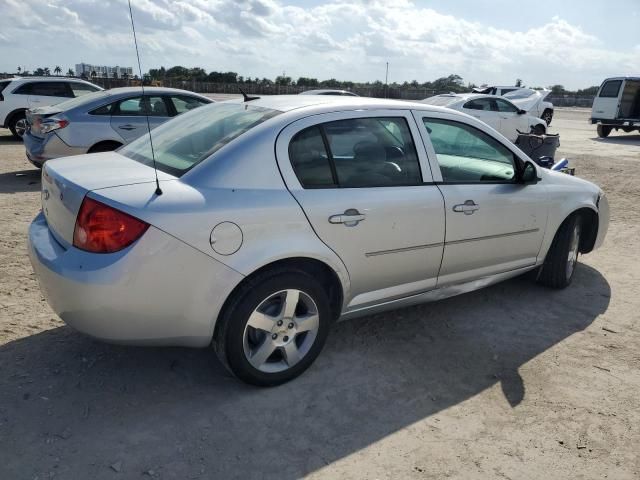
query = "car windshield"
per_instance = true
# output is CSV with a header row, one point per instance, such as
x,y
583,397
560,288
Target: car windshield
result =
x,y
74,102
441,100
182,143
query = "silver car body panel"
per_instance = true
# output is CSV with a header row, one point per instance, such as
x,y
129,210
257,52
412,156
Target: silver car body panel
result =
x,y
86,130
390,259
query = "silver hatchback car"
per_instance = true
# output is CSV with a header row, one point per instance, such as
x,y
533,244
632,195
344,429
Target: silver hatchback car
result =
x,y
277,216
102,121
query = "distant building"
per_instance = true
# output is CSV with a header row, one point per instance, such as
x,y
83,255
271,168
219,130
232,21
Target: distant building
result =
x,y
102,71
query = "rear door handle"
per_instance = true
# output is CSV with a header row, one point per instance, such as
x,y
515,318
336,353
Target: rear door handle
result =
x,y
351,217
127,127
467,207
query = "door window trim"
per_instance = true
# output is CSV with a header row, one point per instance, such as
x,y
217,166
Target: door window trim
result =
x,y
289,131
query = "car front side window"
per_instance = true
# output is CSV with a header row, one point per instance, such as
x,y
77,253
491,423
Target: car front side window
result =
x,y
355,153
468,155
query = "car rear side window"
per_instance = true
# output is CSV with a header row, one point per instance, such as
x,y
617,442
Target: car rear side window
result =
x,y
468,155
478,104
356,153
610,89
80,89
504,106
45,89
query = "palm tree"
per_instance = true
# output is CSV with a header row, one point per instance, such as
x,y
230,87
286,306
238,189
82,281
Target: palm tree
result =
x,y
70,73
19,70
57,70
46,71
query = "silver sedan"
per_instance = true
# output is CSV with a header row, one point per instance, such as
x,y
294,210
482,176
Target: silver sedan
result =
x,y
102,121
277,216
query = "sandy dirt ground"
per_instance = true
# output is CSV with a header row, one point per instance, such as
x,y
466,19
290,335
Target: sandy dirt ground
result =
x,y
514,381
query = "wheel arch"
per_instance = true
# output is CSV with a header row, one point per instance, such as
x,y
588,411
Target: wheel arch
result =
x,y
92,148
312,266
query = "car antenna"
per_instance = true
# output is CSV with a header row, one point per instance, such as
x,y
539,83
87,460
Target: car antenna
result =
x,y
144,104
247,98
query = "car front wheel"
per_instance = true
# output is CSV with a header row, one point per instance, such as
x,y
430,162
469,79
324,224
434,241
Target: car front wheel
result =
x,y
547,116
562,257
274,327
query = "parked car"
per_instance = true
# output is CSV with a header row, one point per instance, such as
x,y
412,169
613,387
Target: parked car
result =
x,y
102,121
19,94
280,215
527,99
617,106
495,111
345,93
533,102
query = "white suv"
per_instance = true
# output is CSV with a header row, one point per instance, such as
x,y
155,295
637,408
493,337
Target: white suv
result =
x,y
18,94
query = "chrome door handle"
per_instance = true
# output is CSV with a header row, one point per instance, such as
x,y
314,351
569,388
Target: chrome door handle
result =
x,y
467,207
351,217
127,127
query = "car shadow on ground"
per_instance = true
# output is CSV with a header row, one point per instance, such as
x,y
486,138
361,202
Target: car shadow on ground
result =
x,y
10,140
622,139
77,407
20,181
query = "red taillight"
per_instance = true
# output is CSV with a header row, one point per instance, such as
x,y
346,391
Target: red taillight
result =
x,y
103,229
50,124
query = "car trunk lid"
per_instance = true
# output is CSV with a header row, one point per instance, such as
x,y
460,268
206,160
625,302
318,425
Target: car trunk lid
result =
x,y
66,181
36,115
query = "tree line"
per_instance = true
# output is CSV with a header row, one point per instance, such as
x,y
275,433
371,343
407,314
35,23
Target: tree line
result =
x,y
451,83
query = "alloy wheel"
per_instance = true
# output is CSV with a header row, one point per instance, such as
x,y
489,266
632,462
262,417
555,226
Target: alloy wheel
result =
x,y
21,127
281,331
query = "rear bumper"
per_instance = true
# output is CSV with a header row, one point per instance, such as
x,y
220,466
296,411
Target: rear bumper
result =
x,y
39,149
635,123
159,291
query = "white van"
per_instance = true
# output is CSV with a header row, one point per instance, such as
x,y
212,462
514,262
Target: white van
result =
x,y
617,105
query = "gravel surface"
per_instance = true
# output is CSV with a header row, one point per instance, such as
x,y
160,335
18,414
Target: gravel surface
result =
x,y
513,381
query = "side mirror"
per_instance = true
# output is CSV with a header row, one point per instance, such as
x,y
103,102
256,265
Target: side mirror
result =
x,y
529,174
521,112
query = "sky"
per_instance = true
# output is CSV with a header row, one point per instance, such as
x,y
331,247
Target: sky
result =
x,y
573,43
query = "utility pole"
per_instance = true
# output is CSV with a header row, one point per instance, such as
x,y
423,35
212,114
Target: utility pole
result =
x,y
386,82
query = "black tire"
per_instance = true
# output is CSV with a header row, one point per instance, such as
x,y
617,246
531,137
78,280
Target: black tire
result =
x,y
14,124
547,116
228,341
538,129
104,147
603,131
555,271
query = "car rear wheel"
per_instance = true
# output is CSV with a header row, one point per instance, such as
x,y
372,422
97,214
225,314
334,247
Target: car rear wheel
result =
x,y
274,327
603,131
560,263
18,125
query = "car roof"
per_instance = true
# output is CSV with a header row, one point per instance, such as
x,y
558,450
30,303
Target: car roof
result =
x,y
326,90
286,103
622,78
123,91
49,79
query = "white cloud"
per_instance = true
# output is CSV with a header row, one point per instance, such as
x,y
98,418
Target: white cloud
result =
x,y
345,39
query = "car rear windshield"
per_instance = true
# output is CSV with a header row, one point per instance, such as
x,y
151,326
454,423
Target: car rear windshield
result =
x,y
185,141
77,101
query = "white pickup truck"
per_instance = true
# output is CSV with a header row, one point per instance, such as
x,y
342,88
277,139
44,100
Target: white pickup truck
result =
x,y
617,105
